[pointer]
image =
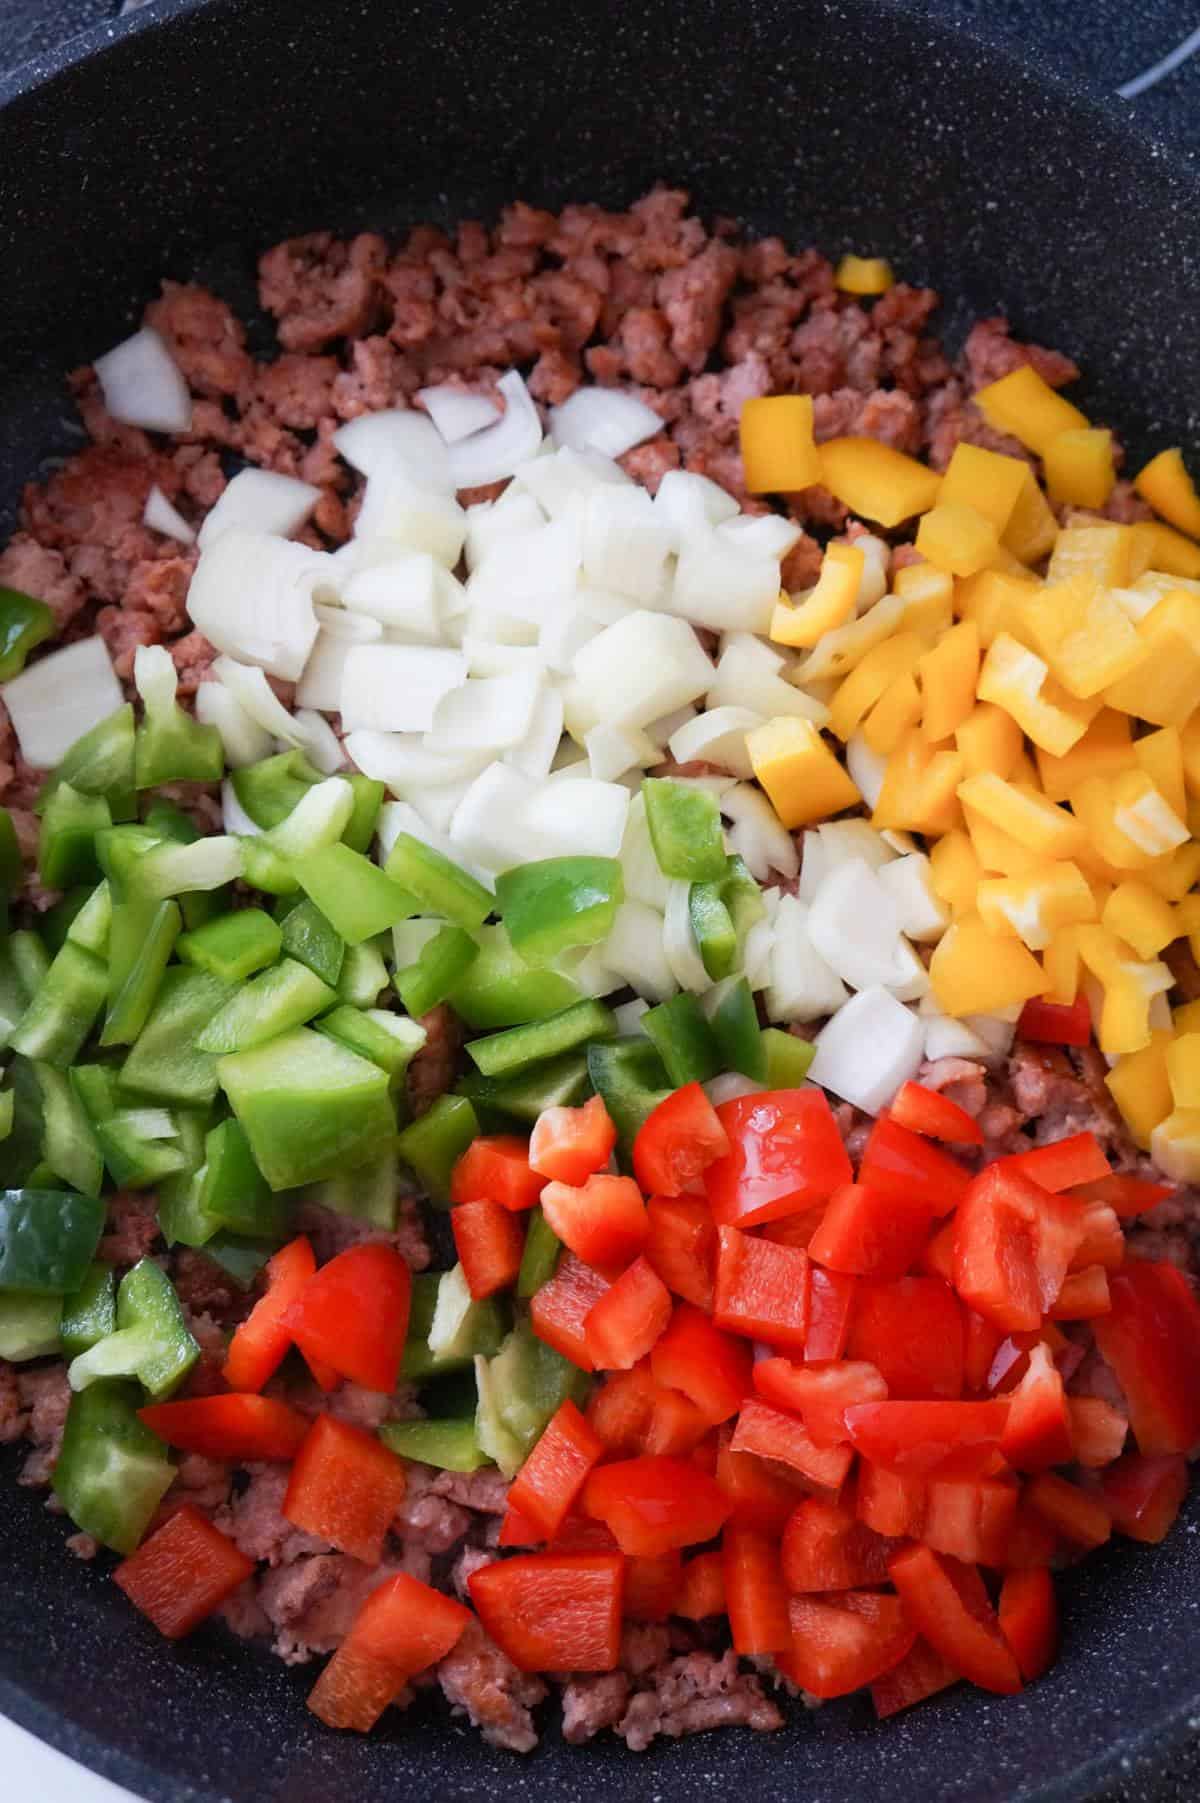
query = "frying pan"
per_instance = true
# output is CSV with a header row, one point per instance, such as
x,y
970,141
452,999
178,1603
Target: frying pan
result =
x,y
199,133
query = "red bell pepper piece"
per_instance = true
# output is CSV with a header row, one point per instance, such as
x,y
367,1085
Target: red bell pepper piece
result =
x,y
496,1168
182,1573
229,1427
570,1144
1032,1543
892,1505
710,1367
903,1164
831,1297
579,1535
1084,1295
553,1611
1028,1614
1103,1241
681,1245
1037,1432
912,1331
403,1628
927,1439
653,1505
1056,1023
982,1342
558,1311
936,1257
772,1434
703,1591
553,1475
1144,1494
1073,1513
261,1342
517,1529
1014,1243
869,1232
653,1587
627,1320
619,1409
762,1289
489,1242
675,1426
759,1495
825,1548
841,1643
935,1115
819,1394
677,1142
795,1230
1152,1341
785,1154
1098,1432
353,1315
920,1674
603,1220
949,1606
345,1487
1126,1196
1065,1163
970,1518
755,1598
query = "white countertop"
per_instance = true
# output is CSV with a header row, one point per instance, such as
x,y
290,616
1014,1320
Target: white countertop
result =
x,y
35,1773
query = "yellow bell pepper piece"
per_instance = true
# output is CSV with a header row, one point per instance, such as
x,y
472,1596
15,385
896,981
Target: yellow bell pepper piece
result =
x,y
1159,547
799,772
881,667
1165,483
892,716
1130,985
995,602
928,595
957,538
864,275
1164,688
1079,467
1093,805
1157,584
1186,1018
1175,1145
1143,919
875,482
1028,409
998,852
955,871
974,972
1102,551
1008,565
829,604
841,650
1144,816
1018,680
1084,635
1186,922
1141,1088
986,481
1160,755
1026,816
1183,1070
1032,527
1189,746
990,739
779,454
919,788
1024,773
1174,875
1062,965
1035,906
1105,749
948,675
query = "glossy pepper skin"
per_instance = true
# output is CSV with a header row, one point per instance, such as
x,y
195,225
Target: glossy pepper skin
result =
x,y
112,1472
24,624
47,1240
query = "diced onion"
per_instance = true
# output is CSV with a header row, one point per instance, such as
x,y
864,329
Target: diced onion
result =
x,y
603,419
562,482
717,737
946,1037
589,971
243,739
159,515
867,769
721,586
528,575
396,688
842,840
802,986
625,543
234,817
635,951
252,596
456,412
689,501
491,455
748,675
320,684
59,698
155,677
585,819
487,713
142,384
756,953
679,941
761,534
644,880
840,649
534,755
486,825
490,521
727,1088
855,926
410,937
757,834
628,1016
403,594
396,438
350,628
412,513
322,746
259,501
923,914
643,666
869,1048
405,763
612,750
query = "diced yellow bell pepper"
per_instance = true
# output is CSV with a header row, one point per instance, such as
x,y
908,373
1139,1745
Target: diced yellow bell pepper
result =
x,y
957,538
1183,1070
948,676
841,650
987,481
1189,745
1026,816
928,596
1019,681
864,275
1130,985
1024,773
892,716
1175,1145
882,666
1174,875
1163,690
829,604
995,602
973,971
1165,483
1028,409
1160,755
1093,805
998,852
990,739
1157,584
919,788
779,454
1079,467
1007,565
1144,816
1186,1018
875,482
799,772
1035,906
1186,921
1140,1087
1105,749
955,871
1159,547
1143,919
1086,638
1032,528
1062,965
1103,551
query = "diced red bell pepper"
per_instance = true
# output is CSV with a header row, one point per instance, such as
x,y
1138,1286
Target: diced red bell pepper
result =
x,y
755,1598
619,1409
928,1439
261,1342
936,1257
558,1311
677,1142
703,1591
495,1168
785,1154
831,1297
345,1487
229,1427
1031,1542
982,1342
935,1115
627,1320
353,1314
772,1434
826,1548
676,1426
970,1518
570,1144
795,1230
901,1163
403,1628
1098,1432
1126,1196
1013,1246
1028,1614
653,1505
762,1290
489,1242
871,1233
893,1505
1073,1513
517,1529
1151,1339
602,1220
1084,1295
920,1674
1144,1494
547,1484
653,1587
183,1572
1056,1023
759,1495
681,1246
578,1534
912,1331
1065,1163
819,1394
841,1643
553,1612
949,1606
1103,1241
710,1367
1037,1433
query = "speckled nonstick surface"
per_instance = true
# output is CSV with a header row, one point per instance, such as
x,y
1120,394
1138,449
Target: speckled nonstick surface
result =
x,y
205,131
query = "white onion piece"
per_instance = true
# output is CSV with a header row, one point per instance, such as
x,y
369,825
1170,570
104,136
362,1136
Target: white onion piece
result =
x,y
855,925
747,678
486,826
722,587
761,534
756,953
659,731
323,748
908,880
867,769
535,754
757,834
456,412
491,455
159,515
717,737
688,501
679,941
155,677
142,384
840,649
437,807
529,574
60,697
259,501
320,684
412,513
585,819
404,594
396,817
856,838
563,481
628,1016
872,584
396,688
634,950
350,628
625,543
814,865
397,438
612,750
727,1088
910,982
869,1048
243,739
490,521
949,1038
405,763
603,419
802,986
252,596
644,880
901,843
996,1032
589,971
249,686
564,635
487,713
601,605
492,657
642,667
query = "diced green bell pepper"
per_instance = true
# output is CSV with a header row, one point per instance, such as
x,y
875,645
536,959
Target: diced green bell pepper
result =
x,y
57,921
171,746
504,1054
522,1388
713,929
733,1017
558,1083
179,1213
7,1111
241,1259
30,959
539,1260
310,1106
319,818
683,1038
440,968
742,896
556,903
67,839
29,1326
363,975
11,871
270,790
432,1145
135,1158
441,887
141,941
463,1326
447,1445
91,1313
367,1193
368,799
164,1061
13,999
415,1363
233,1192
92,926
389,1040
308,936
354,895
68,1142
632,1079
787,1058
501,990
120,851
47,1239
172,869
24,623
100,763
233,946
25,1141
285,996
64,1010
151,1342
169,822
264,868
685,830
112,1472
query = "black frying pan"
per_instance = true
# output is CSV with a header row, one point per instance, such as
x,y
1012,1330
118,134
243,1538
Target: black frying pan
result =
x,y
206,132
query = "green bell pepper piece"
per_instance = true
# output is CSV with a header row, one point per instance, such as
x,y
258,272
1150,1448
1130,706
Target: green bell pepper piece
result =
x,y
151,1342
685,830
364,975
389,1040
64,1010
439,885
47,1239
461,1325
501,990
310,1107
57,921
524,1385
558,1083
367,1193
169,822
787,1058
119,852
24,623
91,1313
164,1061
179,1213
432,1145
683,1039
241,1259
172,747
285,996
368,799
355,896
68,1142
233,946
141,941
632,1079
67,839
733,1017
13,999
308,936
556,903
100,763
24,1143
233,1192
112,1472
137,1159
539,1260
11,871
439,969
7,1113
92,926
515,1049
448,1445
270,790
169,868
713,929
31,961
742,896
415,1363
29,1326
264,868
